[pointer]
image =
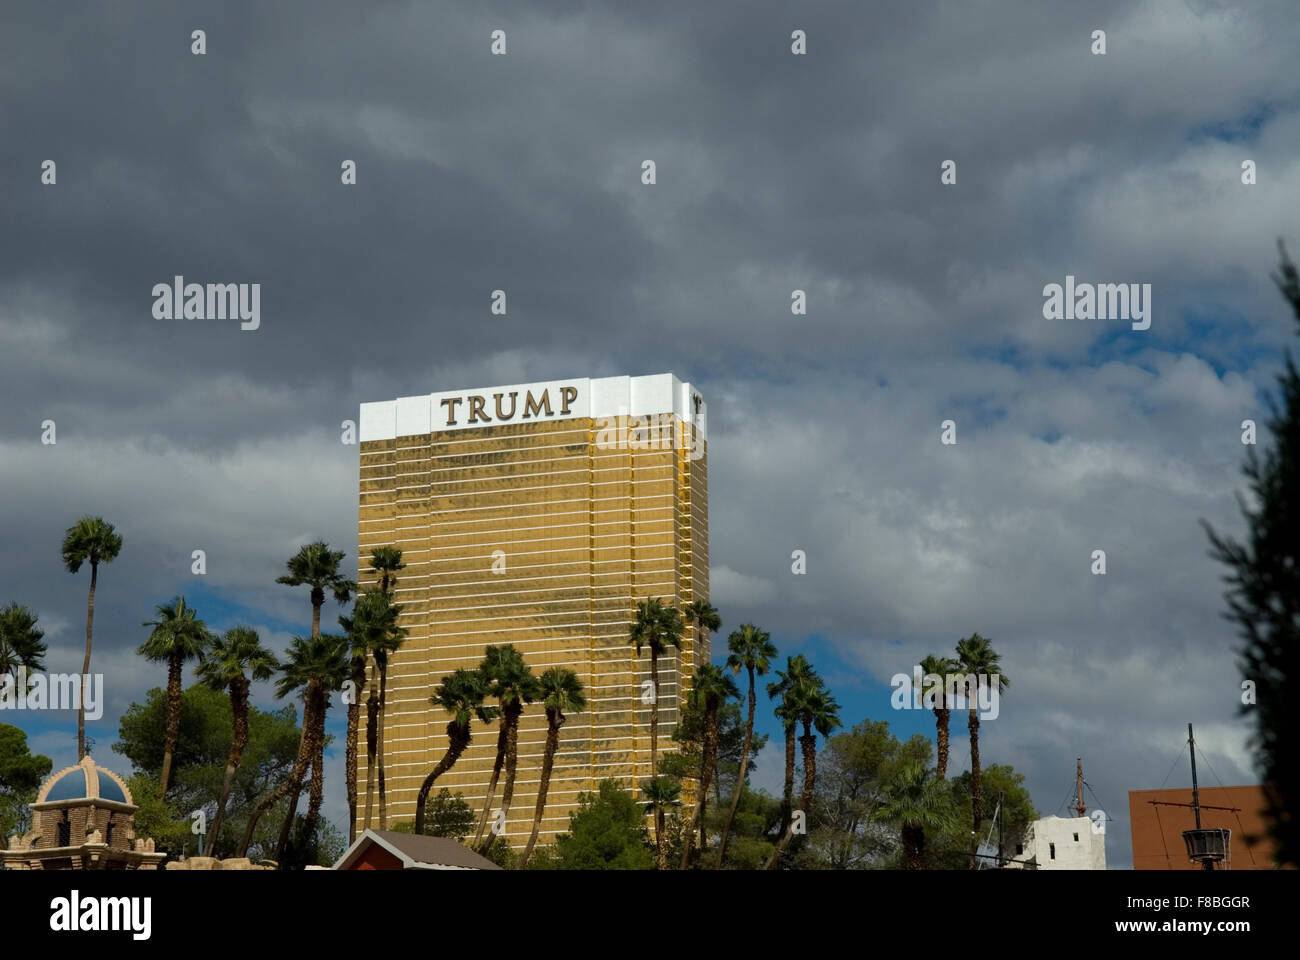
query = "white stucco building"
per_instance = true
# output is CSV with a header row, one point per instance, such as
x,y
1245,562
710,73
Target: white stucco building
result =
x,y
1060,843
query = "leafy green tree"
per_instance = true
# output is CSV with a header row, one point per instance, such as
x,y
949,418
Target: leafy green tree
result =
x,y
447,815
319,844
852,772
21,774
178,635
950,849
90,540
606,832
198,766
1263,596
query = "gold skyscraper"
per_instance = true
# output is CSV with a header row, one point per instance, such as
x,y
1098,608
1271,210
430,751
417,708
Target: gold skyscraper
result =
x,y
536,515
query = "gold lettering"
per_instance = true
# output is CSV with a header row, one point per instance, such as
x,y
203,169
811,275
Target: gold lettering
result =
x,y
476,410
450,404
500,414
531,407
567,396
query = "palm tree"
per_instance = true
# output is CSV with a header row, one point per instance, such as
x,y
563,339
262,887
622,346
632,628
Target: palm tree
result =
x,y
385,561
370,631
461,694
977,658
705,617
233,661
317,566
916,803
316,666
95,540
752,650
178,635
323,661
511,681
798,671
711,689
814,707
660,794
21,646
658,627
940,667
560,693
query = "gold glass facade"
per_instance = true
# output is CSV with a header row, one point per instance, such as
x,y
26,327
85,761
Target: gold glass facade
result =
x,y
544,535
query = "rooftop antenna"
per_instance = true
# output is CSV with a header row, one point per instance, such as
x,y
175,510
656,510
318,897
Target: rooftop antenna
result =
x,y
1080,810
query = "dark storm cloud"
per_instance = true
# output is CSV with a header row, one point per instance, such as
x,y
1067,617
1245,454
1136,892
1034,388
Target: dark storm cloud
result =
x,y
774,173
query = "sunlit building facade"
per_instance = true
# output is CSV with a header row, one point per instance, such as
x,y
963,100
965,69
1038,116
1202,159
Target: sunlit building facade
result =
x,y
536,515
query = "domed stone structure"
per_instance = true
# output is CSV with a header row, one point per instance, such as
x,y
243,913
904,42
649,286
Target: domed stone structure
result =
x,y
84,819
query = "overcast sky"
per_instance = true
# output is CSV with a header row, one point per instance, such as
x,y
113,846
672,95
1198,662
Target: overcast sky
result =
x,y
775,172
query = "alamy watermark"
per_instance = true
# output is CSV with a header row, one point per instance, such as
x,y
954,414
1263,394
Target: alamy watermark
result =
x,y
930,691
179,300
52,691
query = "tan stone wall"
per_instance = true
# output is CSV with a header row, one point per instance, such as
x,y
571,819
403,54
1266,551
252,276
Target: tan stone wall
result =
x,y
587,532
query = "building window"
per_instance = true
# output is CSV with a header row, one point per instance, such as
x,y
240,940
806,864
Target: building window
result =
x,y
1076,838
65,832
1020,848
108,837
1051,848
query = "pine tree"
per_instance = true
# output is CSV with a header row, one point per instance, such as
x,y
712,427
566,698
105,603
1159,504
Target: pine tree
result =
x,y
1264,593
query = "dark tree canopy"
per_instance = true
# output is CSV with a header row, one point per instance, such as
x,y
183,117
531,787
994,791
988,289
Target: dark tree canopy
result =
x,y
1264,592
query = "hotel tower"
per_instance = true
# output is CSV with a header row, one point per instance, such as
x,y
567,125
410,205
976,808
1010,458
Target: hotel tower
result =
x,y
537,515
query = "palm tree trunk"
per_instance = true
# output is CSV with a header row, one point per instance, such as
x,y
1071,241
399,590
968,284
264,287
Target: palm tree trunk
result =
x,y
913,844
173,721
238,742
306,748
661,850
708,761
976,794
787,795
317,792
315,618
85,663
379,746
350,761
292,781
548,761
742,773
941,740
654,714
492,784
512,763
372,742
808,743
457,741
